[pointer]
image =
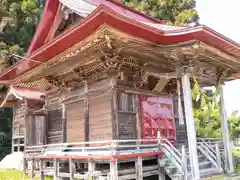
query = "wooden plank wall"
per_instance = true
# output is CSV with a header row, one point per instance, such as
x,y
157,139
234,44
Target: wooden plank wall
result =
x,y
54,118
100,122
19,119
75,121
30,131
55,132
100,119
40,130
35,130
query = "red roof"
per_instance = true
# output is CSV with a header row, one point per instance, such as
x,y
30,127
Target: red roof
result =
x,y
104,15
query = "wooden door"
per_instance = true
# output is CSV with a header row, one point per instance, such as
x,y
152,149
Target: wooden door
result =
x,y
75,122
55,126
35,130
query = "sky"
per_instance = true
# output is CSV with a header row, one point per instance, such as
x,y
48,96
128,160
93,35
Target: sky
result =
x,y
223,16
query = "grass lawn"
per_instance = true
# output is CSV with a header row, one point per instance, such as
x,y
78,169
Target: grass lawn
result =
x,y
15,175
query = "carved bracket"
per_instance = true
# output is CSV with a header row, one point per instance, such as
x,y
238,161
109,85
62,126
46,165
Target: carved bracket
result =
x,y
57,81
112,61
81,74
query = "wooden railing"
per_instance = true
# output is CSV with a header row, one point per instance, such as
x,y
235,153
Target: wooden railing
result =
x,y
97,147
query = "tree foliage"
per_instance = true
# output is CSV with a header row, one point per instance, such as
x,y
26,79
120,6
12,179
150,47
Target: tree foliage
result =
x,y
234,125
178,12
6,128
18,20
207,116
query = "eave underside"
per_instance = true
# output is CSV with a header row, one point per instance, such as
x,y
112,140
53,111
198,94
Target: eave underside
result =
x,y
93,55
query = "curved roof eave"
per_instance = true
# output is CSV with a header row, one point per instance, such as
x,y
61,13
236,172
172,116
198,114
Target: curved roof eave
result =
x,y
103,15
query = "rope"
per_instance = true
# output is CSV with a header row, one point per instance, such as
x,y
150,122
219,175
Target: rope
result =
x,y
210,101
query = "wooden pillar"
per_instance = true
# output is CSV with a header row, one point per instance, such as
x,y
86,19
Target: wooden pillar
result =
x,y
225,134
13,128
91,169
33,167
41,170
26,128
138,117
86,112
191,132
55,169
138,168
113,169
71,169
113,83
64,123
161,173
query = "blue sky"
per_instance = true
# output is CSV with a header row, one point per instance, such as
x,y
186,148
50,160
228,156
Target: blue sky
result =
x,y
223,16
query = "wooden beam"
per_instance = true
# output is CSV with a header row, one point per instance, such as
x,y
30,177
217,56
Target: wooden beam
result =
x,y
114,107
225,134
91,169
41,170
55,169
138,168
71,169
64,123
219,53
33,168
138,116
86,112
191,132
113,169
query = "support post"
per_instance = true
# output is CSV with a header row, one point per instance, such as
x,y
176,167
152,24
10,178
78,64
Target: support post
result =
x,y
113,84
41,170
225,134
218,158
71,169
161,171
113,169
91,169
138,117
184,163
32,170
86,112
138,168
55,169
64,122
191,132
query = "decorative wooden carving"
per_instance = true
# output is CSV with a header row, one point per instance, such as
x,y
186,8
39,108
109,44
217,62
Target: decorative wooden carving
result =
x,y
112,61
57,81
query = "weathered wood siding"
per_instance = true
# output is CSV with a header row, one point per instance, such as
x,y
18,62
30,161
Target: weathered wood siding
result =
x,y
100,117
75,121
35,130
19,119
54,118
30,131
55,129
100,122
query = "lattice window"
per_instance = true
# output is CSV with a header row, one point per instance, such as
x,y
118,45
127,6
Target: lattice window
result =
x,y
125,102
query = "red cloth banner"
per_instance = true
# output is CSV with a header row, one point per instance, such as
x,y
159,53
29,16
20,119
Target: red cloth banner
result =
x,y
157,114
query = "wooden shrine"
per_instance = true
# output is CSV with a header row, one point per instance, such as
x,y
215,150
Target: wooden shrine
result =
x,y
113,75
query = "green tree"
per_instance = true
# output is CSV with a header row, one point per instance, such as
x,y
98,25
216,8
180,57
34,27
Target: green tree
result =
x,y
207,116
234,125
178,12
18,20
